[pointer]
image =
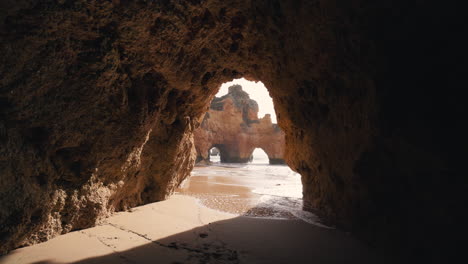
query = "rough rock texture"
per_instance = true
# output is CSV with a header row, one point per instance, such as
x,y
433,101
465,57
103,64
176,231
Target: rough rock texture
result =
x,y
232,125
98,101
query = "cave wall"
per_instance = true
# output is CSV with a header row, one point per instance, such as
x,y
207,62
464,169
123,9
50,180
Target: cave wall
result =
x,y
233,125
99,99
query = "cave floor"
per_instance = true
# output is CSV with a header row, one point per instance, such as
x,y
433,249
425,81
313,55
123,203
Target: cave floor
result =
x,y
180,230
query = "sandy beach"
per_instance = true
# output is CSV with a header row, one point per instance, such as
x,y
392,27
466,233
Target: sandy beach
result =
x,y
221,214
180,230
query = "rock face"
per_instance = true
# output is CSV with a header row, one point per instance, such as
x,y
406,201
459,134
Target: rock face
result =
x,y
232,126
99,101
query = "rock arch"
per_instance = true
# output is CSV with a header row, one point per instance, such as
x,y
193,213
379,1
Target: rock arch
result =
x,y
232,122
271,150
99,101
222,153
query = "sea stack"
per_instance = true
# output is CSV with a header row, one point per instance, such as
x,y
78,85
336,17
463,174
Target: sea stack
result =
x,y
232,126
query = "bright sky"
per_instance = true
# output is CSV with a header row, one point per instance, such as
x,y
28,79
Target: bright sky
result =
x,y
256,91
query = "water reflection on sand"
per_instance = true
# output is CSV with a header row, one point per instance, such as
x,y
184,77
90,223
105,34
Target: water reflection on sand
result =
x,y
256,190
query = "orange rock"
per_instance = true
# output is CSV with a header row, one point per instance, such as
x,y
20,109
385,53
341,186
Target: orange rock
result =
x,y
232,125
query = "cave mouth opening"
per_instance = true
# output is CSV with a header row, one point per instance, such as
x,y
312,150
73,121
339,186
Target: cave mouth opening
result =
x,y
240,154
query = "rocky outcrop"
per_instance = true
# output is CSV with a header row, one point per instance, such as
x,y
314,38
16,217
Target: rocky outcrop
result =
x,y
99,101
232,126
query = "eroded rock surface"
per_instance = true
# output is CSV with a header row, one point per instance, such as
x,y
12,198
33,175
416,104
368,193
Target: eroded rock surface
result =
x,y
232,126
99,101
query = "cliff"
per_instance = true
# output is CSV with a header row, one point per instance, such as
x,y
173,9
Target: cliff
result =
x,y
232,125
99,101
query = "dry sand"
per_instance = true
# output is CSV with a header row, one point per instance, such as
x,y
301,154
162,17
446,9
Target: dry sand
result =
x,y
180,230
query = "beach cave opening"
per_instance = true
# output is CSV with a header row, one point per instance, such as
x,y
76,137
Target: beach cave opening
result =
x,y
241,148
101,103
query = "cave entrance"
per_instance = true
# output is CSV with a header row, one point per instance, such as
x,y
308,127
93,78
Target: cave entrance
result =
x,y
246,173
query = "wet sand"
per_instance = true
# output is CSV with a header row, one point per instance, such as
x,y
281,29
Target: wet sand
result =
x,y
220,193
254,190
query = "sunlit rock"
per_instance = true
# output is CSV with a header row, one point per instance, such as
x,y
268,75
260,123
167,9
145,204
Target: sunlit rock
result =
x,y
232,126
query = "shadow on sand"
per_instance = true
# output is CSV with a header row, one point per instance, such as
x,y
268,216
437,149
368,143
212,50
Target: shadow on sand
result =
x,y
245,240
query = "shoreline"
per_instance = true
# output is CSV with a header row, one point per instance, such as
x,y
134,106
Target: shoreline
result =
x,y
253,190
180,230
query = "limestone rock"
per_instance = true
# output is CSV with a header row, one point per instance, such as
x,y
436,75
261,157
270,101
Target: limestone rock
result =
x,y
99,101
232,126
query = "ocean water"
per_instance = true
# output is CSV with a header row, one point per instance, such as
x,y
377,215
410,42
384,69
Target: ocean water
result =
x,y
255,189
